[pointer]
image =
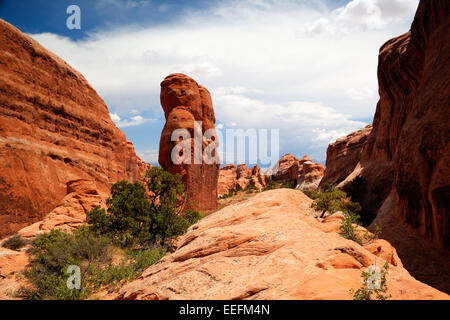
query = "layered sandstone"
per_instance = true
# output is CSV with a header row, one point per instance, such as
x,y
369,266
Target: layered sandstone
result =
x,y
70,212
344,155
403,165
54,128
310,175
271,246
185,102
304,172
227,179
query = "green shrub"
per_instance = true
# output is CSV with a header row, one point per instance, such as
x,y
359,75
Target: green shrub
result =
x,y
330,201
374,236
191,216
347,228
14,242
51,254
313,194
135,216
130,267
291,184
230,193
333,200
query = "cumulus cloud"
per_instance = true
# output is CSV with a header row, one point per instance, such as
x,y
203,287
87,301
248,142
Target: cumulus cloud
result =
x,y
292,64
133,121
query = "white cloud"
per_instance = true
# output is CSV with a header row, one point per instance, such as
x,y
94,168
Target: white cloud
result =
x,y
289,63
149,156
133,121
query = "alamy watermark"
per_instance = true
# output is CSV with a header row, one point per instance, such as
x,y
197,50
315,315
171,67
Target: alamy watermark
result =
x,y
241,146
74,20
74,280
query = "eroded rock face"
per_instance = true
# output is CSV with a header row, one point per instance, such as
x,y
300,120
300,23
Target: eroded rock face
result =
x,y
70,213
310,175
227,179
270,246
287,168
184,102
306,173
404,161
344,155
232,178
54,128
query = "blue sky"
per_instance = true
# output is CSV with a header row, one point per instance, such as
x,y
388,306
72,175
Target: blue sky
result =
x,y
307,68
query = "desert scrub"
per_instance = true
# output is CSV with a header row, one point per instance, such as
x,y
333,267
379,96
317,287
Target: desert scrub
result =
x,y
14,242
230,193
53,253
332,200
374,284
129,268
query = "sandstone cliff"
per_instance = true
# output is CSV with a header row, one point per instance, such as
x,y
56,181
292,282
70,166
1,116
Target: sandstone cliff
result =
x,y
54,128
232,178
184,102
305,173
271,246
344,155
404,163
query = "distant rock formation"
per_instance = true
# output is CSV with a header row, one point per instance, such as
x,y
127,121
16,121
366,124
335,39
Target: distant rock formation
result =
x,y
404,163
232,178
271,246
184,101
310,176
54,129
344,155
305,173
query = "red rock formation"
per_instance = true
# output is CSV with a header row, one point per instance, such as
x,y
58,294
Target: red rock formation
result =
x,y
405,161
249,177
227,179
184,102
54,128
70,213
344,155
287,168
310,176
306,173
232,178
271,247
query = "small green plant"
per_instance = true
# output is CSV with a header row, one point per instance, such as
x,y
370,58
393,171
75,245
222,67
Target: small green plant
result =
x,y
375,234
230,193
329,201
347,227
14,242
250,188
313,194
333,200
374,284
